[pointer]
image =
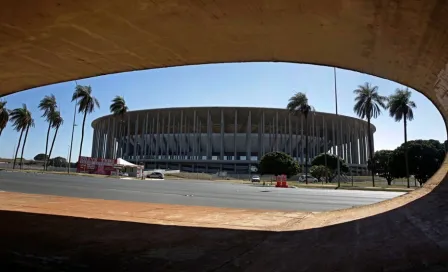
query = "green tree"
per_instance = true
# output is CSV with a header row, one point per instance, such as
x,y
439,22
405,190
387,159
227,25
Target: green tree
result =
x,y
40,157
22,121
298,105
86,104
48,105
332,164
56,121
383,164
58,162
424,158
368,104
278,163
4,116
119,108
320,171
400,107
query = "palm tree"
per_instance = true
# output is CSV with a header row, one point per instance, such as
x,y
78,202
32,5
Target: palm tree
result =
x,y
22,121
368,104
298,104
118,108
48,105
4,116
86,104
400,107
56,121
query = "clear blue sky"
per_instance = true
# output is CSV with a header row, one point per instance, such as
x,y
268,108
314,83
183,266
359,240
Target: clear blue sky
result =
x,y
236,84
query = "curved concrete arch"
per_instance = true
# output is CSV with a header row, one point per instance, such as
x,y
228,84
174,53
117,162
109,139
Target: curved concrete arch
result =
x,y
45,42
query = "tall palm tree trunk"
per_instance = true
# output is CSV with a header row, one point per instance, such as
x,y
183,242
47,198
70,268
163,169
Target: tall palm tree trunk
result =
x,y
306,150
52,143
369,139
406,150
23,146
82,133
46,146
17,150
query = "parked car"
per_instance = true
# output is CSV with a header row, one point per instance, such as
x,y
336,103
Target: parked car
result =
x,y
303,178
255,179
157,175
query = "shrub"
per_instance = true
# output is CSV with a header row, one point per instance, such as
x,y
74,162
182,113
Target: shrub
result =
x,y
320,171
278,163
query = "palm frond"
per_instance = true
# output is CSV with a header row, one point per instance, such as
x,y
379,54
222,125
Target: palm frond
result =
x,y
48,105
400,105
368,102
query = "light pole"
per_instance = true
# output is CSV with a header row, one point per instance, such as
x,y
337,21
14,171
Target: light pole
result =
x,y
68,152
336,104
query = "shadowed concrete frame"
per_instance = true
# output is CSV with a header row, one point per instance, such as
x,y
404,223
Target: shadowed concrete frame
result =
x,y
231,139
49,41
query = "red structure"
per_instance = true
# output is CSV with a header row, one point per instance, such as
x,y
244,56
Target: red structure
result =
x,y
281,181
95,165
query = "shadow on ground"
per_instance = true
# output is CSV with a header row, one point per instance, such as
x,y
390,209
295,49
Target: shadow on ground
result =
x,y
410,238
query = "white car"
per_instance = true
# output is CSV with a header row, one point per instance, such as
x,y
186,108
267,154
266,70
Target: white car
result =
x,y
157,175
310,178
255,179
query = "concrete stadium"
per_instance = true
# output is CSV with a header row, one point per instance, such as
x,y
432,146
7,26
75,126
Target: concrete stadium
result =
x,y
229,139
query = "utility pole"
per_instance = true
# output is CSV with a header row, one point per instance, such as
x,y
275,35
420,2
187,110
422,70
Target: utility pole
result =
x,y
73,131
336,104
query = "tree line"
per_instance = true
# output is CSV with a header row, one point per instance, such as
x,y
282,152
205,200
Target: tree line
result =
x,y
368,104
22,120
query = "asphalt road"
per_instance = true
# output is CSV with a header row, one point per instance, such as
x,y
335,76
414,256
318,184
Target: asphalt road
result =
x,y
189,192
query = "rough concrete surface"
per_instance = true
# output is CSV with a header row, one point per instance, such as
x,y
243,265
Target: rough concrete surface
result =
x,y
48,41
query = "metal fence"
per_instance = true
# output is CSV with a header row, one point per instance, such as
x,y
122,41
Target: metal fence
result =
x,y
346,181
9,166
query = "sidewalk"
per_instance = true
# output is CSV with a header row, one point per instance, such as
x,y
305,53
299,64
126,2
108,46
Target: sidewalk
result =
x,y
161,214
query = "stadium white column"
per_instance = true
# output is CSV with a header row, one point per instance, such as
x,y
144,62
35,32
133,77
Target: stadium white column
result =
x,y
363,146
349,143
313,132
162,135
260,143
248,136
145,142
185,136
276,131
325,135
297,141
301,140
135,138
208,135
221,153
290,135
93,143
235,135
200,140
181,135
284,136
168,136
195,136
156,152
112,139
107,138
100,139
128,132
151,139
357,145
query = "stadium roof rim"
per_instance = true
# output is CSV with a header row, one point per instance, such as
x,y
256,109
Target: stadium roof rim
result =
x,y
226,107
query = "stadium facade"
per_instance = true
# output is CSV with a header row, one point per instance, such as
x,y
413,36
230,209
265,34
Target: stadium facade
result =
x,y
231,139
